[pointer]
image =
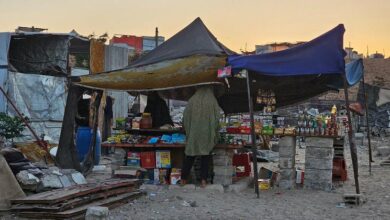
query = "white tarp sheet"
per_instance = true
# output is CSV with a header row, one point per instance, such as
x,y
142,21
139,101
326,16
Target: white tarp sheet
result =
x,y
42,99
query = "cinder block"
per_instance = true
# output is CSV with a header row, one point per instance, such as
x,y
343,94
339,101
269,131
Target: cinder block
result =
x,y
325,186
223,180
286,163
287,174
314,163
319,152
223,170
319,142
318,176
222,161
97,213
223,152
287,184
287,147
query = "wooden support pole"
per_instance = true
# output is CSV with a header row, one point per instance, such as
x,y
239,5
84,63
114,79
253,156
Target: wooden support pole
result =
x,y
368,127
253,135
351,138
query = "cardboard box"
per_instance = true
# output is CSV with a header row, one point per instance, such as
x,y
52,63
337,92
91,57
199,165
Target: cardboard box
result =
x,y
133,159
175,176
148,159
264,184
163,159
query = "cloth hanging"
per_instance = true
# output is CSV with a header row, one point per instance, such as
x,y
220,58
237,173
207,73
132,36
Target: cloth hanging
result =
x,y
201,122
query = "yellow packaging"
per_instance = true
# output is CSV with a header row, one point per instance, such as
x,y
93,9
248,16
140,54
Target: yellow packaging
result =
x,y
264,184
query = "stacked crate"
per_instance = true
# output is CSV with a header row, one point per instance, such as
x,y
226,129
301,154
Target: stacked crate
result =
x,y
287,147
223,166
319,163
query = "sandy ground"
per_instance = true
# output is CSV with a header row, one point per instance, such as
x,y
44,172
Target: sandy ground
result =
x,y
273,204
163,203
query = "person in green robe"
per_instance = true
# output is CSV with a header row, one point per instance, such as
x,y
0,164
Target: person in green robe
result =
x,y
201,123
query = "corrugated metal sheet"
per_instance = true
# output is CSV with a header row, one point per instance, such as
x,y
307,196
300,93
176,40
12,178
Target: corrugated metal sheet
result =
x,y
97,56
117,58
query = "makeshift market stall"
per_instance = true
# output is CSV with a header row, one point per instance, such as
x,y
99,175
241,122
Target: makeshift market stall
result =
x,y
185,61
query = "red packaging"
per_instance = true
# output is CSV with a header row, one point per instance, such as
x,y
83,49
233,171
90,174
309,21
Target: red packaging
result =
x,y
148,159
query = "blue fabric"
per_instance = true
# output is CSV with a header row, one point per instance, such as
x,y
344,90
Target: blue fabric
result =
x,y
354,71
323,55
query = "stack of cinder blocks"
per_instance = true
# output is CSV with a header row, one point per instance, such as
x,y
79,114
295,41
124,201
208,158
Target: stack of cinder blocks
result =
x,y
319,163
223,166
287,146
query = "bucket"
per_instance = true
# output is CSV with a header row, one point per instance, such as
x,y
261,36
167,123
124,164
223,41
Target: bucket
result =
x,y
83,140
264,184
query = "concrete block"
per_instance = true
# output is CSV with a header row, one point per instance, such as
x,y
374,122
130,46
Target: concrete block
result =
x,y
316,175
319,142
97,213
383,151
240,185
223,180
287,147
223,170
286,163
222,161
314,163
287,174
319,152
325,186
51,181
214,187
223,152
287,184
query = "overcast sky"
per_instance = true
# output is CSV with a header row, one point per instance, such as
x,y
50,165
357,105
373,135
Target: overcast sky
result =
x,y
236,23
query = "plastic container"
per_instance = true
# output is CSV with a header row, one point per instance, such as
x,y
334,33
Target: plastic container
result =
x,y
146,121
83,140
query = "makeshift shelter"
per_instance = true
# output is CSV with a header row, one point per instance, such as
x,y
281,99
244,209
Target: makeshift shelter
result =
x,y
193,55
33,72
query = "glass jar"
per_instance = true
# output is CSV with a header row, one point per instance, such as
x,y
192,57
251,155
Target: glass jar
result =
x,y
146,121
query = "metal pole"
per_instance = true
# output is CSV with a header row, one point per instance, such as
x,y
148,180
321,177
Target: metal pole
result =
x,y
253,135
351,139
368,128
156,37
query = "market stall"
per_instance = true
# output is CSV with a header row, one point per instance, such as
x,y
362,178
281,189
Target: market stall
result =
x,y
177,67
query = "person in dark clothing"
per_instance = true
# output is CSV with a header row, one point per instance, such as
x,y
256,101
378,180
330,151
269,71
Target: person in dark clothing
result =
x,y
204,168
158,108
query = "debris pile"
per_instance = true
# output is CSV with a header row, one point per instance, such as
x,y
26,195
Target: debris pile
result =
x,y
73,202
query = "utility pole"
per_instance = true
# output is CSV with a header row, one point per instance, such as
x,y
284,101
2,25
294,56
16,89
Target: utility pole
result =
x,y
156,37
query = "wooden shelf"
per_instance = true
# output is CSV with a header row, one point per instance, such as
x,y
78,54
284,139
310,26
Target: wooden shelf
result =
x,y
125,145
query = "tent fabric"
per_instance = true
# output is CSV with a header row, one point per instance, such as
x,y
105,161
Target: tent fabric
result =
x,y
323,55
354,71
192,40
182,72
39,54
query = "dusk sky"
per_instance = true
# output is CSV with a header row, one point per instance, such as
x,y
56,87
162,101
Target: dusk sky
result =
x,y
237,24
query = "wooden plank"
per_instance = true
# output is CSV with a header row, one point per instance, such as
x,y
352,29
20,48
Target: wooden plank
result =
x,y
69,204
55,196
109,202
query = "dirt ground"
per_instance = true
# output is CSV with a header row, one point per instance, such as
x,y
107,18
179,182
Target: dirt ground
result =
x,y
273,204
164,203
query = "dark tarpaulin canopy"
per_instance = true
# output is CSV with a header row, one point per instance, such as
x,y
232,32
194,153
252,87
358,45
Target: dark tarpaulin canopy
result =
x,y
294,74
194,39
190,57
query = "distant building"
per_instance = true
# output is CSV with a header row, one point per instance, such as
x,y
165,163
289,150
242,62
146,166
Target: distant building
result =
x,y
269,48
376,56
352,54
135,43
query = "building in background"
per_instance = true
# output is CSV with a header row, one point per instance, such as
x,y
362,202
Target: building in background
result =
x,y
136,44
269,48
352,54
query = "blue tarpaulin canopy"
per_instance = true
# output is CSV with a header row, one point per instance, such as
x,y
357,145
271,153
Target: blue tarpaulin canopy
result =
x,y
295,74
323,55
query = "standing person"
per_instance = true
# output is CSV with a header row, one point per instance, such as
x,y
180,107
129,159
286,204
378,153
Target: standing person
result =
x,y
201,123
158,108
